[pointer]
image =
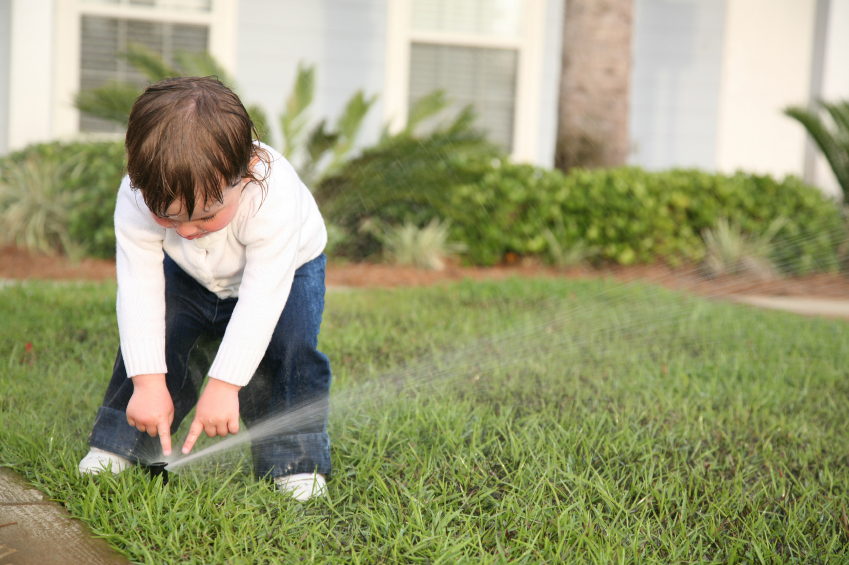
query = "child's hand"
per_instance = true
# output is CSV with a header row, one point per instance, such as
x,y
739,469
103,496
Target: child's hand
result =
x,y
151,409
217,412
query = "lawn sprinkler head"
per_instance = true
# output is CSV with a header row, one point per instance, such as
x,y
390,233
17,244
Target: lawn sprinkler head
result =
x,y
158,470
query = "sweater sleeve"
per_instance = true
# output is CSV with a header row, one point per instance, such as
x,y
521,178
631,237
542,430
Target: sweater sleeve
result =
x,y
271,233
141,284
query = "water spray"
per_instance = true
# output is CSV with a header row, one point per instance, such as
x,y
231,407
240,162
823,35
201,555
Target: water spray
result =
x,y
562,330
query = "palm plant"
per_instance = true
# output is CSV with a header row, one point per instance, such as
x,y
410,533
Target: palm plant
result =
x,y
730,251
426,247
832,138
319,152
408,169
565,253
316,153
35,207
406,178
113,100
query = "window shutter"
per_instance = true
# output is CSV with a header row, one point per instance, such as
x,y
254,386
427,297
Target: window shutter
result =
x,y
485,78
102,39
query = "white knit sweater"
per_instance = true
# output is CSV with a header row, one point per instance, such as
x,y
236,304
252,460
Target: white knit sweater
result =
x,y
254,258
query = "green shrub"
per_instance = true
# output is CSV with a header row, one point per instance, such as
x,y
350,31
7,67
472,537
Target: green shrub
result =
x,y
91,175
633,215
403,180
624,215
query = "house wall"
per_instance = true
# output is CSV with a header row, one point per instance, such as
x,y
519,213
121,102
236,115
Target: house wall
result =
x,y
766,67
5,28
711,78
675,82
344,39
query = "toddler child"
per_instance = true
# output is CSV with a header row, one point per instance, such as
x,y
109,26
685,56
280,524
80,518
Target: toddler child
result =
x,y
217,238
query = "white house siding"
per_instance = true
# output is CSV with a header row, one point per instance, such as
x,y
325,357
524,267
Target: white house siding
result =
x,y
355,45
766,67
5,28
675,82
835,80
344,39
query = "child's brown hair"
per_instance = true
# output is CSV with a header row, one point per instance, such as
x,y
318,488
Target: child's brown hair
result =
x,y
184,137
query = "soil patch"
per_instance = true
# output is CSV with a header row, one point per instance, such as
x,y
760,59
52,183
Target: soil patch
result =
x,y
19,264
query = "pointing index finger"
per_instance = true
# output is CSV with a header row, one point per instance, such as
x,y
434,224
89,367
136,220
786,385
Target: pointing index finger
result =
x,y
194,432
165,437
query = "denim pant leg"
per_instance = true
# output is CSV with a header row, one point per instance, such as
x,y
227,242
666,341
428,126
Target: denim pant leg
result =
x,y
285,406
189,317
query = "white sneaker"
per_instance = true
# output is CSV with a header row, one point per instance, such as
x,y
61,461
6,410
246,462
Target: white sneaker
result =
x,y
99,460
302,486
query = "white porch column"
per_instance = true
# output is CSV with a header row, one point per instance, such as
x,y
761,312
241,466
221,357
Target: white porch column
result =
x,y
31,73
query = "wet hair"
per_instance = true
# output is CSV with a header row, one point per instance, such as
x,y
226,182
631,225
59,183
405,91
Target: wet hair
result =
x,y
184,137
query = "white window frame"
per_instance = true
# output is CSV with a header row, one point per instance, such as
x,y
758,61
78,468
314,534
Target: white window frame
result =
x,y
221,21
526,118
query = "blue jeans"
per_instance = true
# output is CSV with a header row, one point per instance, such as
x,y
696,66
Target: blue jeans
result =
x,y
292,373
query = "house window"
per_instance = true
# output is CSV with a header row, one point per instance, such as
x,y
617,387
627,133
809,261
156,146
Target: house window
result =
x,y
485,78
502,18
90,35
103,39
481,52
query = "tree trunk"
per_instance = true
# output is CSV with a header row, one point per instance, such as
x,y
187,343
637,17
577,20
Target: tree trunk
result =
x,y
593,126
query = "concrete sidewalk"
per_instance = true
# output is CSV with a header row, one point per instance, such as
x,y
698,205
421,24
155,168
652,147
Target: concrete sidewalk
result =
x,y
36,531
828,308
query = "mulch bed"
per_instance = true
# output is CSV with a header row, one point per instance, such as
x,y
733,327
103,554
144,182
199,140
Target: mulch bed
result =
x,y
19,264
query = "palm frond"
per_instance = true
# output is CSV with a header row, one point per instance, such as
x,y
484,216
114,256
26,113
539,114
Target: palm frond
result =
x,y
293,120
260,120
464,121
202,65
148,62
424,108
319,142
347,127
839,112
112,101
832,139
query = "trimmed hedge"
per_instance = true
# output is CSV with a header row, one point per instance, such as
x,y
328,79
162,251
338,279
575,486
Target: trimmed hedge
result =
x,y
637,216
628,214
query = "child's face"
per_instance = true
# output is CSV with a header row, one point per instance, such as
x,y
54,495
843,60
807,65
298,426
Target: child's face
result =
x,y
205,219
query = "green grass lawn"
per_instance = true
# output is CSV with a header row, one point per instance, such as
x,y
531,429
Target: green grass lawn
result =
x,y
518,421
